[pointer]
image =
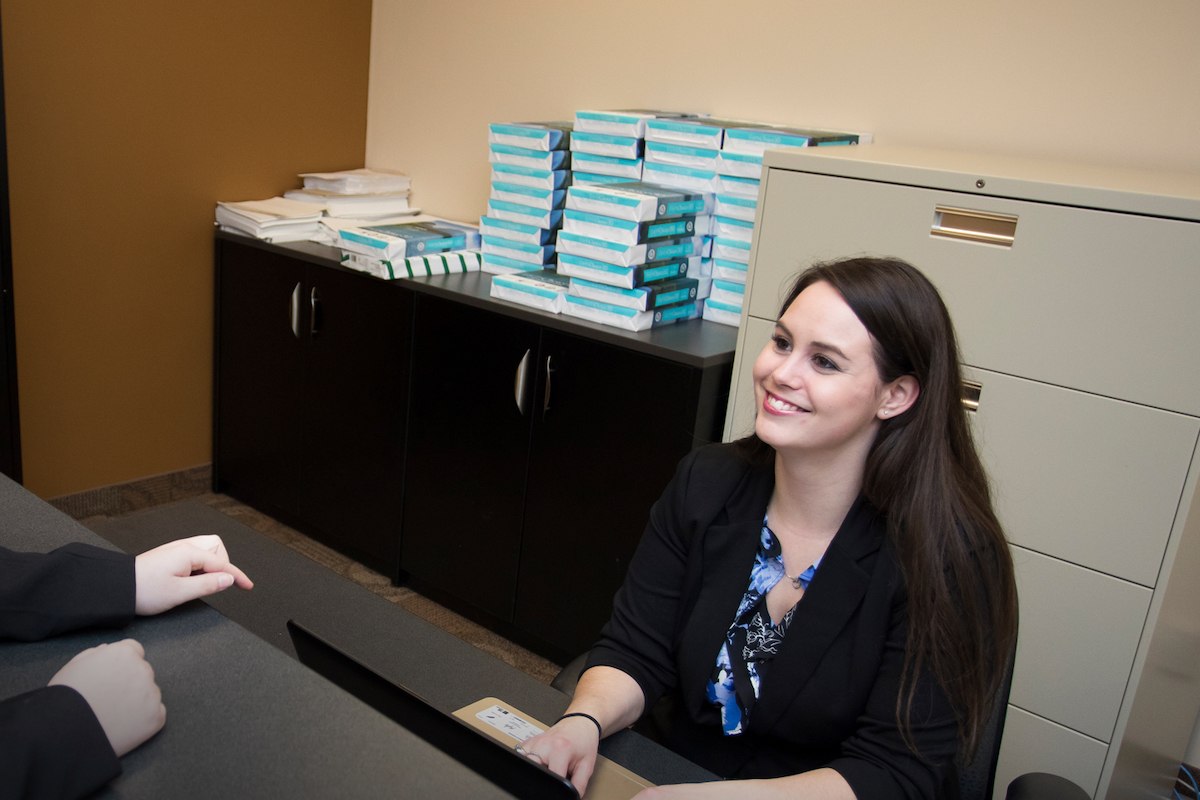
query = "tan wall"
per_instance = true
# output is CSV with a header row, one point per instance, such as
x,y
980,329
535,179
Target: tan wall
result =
x,y
126,122
1101,81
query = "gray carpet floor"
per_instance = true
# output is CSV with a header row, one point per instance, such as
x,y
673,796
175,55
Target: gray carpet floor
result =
x,y
470,632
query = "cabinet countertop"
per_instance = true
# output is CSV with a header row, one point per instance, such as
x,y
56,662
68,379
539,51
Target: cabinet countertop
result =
x,y
695,343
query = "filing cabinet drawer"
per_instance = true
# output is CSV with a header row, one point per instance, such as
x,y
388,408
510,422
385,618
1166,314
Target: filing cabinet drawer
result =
x,y
1083,478
1033,744
1094,300
1079,632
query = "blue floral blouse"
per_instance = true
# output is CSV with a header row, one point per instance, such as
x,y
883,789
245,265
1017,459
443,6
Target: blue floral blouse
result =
x,y
734,686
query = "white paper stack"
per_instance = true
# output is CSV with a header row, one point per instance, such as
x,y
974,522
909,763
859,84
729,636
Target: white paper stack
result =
x,y
530,174
357,206
610,145
357,181
273,220
542,289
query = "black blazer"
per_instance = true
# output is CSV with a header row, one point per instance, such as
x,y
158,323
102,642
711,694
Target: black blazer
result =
x,y
51,744
829,698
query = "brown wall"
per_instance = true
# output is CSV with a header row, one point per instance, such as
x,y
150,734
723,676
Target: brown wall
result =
x,y
126,122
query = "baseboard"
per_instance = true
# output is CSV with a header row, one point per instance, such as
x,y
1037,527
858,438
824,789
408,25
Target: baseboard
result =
x,y
120,499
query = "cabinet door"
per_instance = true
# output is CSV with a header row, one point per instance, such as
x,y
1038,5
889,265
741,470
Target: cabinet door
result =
x,y
468,445
355,411
610,426
259,377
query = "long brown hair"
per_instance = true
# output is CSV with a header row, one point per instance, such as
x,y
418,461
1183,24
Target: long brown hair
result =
x,y
924,474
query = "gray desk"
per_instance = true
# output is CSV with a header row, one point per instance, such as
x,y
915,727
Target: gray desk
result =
x,y
244,718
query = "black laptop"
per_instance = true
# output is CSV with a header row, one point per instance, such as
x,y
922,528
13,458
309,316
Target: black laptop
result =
x,y
503,766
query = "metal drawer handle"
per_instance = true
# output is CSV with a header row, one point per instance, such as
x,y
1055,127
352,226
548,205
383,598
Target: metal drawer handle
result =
x,y
970,396
519,382
296,311
546,402
315,320
974,226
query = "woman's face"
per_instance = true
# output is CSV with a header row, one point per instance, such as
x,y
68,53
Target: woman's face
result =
x,y
815,383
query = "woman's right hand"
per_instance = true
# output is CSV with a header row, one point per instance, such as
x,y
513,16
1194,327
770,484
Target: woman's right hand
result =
x,y
569,749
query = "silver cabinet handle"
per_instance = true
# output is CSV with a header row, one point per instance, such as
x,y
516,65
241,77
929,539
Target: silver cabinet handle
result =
x,y
314,319
546,401
296,311
974,226
970,395
519,382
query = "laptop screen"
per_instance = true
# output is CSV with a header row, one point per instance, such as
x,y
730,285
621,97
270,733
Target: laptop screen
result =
x,y
503,766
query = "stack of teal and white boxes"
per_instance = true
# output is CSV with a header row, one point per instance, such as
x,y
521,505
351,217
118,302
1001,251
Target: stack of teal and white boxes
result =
x,y
739,168
628,249
422,245
607,146
531,166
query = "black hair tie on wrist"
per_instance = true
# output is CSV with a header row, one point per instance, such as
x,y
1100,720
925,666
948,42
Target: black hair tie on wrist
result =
x,y
595,721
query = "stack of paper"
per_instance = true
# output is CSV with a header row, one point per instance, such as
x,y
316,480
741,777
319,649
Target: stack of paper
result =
x,y
273,220
358,206
531,170
357,181
608,146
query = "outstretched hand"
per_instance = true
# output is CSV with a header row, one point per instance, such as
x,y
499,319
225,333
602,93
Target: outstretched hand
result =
x,y
118,684
183,570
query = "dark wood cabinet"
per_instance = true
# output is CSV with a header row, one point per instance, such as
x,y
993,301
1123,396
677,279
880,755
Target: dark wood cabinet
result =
x,y
311,383
468,445
500,459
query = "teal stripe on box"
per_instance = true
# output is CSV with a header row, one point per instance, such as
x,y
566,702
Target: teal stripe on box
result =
x,y
605,117
734,200
726,264
737,223
544,174
597,219
722,306
685,207
521,286
749,159
744,181
676,228
524,247
666,125
689,172
658,273
727,242
583,301
588,263
620,162
674,251
604,197
523,266
360,239
517,130
729,286
604,138
681,150
639,291
528,191
678,311
588,240
517,208
515,227
768,137
591,177
677,296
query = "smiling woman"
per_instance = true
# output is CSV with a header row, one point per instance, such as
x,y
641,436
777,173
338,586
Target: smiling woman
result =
x,y
825,608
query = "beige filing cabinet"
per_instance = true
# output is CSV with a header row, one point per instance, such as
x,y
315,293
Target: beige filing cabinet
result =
x,y
1075,292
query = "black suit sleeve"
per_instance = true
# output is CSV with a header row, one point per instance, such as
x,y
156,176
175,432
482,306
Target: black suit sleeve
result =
x,y
52,746
76,586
